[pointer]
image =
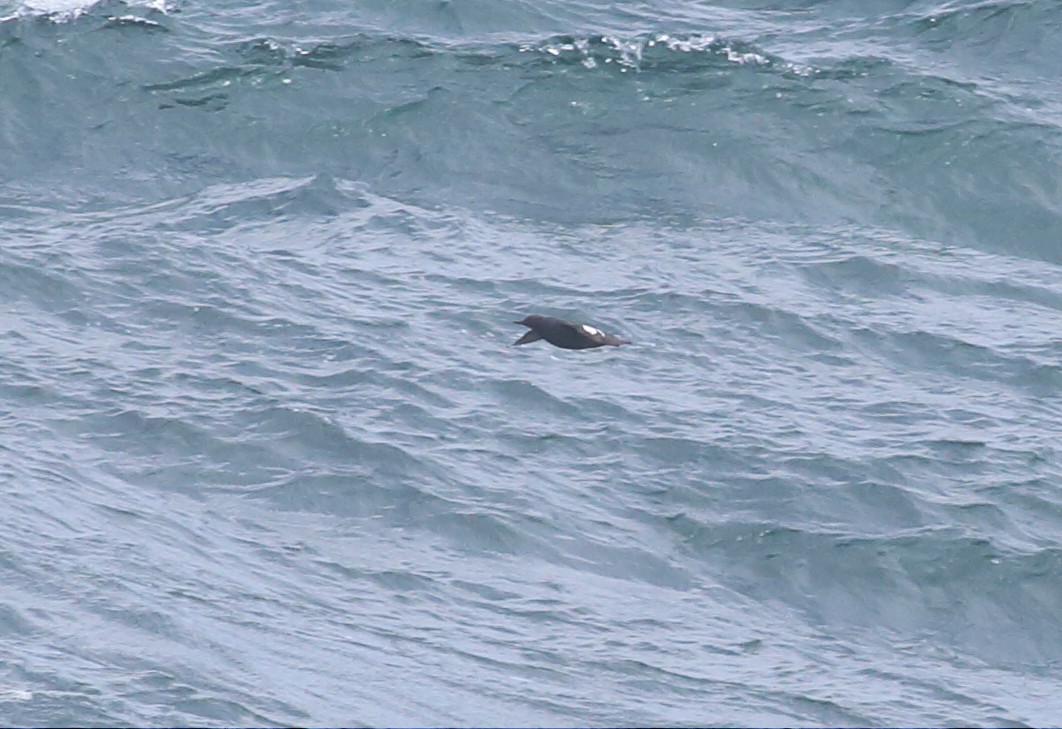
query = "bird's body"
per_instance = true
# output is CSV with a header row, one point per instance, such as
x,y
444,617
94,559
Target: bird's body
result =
x,y
565,334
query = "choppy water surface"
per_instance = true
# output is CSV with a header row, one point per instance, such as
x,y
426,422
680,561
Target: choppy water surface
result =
x,y
268,457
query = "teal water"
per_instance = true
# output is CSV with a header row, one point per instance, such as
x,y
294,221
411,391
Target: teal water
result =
x,y
268,457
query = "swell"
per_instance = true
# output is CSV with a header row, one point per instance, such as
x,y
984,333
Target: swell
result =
x,y
644,124
285,392
932,578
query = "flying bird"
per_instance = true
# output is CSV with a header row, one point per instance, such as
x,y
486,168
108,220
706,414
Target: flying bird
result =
x,y
564,334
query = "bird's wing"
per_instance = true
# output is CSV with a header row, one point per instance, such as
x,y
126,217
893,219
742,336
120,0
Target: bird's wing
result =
x,y
529,336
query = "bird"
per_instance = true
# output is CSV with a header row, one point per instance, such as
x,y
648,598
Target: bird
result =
x,y
565,334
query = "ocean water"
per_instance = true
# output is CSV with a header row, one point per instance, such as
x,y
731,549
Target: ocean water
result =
x,y
267,455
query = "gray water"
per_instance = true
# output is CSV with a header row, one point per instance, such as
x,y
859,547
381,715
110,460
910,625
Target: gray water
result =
x,y
267,454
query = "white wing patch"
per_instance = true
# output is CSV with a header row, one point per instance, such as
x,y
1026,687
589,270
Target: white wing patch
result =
x,y
590,330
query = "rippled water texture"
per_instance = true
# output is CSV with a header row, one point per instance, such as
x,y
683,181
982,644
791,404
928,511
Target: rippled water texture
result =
x,y
267,455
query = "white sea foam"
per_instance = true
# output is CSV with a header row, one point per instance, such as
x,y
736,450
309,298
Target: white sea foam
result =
x,y
63,10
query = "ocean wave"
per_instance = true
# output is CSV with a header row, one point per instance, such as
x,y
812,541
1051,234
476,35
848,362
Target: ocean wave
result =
x,y
270,455
64,11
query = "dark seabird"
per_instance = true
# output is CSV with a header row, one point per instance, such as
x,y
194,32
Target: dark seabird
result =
x,y
564,334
